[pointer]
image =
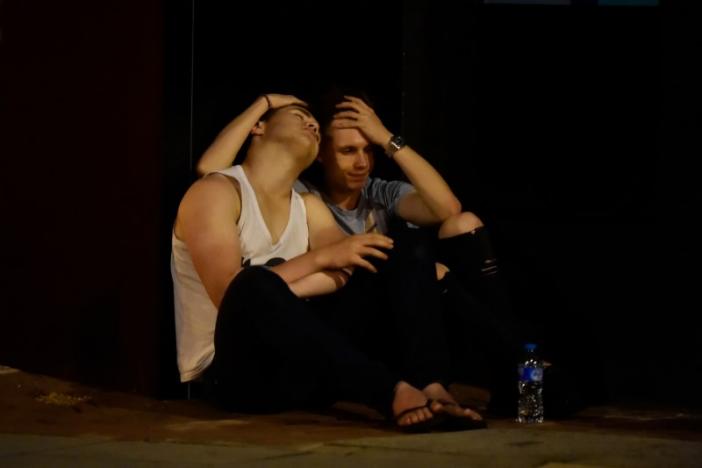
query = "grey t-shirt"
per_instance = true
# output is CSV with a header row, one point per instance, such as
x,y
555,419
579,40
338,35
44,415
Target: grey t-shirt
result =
x,y
375,207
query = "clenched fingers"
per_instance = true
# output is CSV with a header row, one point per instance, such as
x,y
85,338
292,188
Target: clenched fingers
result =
x,y
344,123
356,103
349,105
350,115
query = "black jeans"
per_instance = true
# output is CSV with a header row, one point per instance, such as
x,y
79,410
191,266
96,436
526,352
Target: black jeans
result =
x,y
274,351
394,315
463,336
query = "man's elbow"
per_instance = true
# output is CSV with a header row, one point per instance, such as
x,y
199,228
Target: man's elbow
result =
x,y
450,208
202,170
455,207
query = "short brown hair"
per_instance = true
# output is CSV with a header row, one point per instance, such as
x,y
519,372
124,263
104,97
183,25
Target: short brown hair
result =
x,y
325,106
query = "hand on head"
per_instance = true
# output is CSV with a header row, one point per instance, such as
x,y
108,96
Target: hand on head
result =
x,y
276,101
355,113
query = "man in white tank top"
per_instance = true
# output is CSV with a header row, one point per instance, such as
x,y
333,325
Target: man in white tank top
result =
x,y
248,329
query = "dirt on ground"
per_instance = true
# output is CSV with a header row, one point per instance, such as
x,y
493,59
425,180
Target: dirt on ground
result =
x,y
42,405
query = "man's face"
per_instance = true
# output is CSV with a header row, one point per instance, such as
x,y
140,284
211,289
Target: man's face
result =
x,y
347,158
295,125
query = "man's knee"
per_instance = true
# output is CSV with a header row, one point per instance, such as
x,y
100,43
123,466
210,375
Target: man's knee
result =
x,y
253,280
411,246
255,294
459,224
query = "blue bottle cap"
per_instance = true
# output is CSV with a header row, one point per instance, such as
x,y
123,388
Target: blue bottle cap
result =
x,y
530,347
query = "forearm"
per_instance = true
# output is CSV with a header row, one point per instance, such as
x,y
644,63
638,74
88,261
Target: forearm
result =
x,y
222,152
300,266
320,283
430,186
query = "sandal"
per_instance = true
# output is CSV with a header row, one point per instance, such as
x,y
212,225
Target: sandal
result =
x,y
458,423
441,421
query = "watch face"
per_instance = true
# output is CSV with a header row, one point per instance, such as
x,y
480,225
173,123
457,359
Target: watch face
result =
x,y
398,141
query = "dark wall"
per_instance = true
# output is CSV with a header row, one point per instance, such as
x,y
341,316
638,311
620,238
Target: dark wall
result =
x,y
82,294
678,205
241,51
547,121
569,130
106,107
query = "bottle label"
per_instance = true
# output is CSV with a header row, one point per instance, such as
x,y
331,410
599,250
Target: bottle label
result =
x,y
531,374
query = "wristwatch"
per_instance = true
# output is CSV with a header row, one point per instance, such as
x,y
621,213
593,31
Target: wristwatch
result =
x,y
395,144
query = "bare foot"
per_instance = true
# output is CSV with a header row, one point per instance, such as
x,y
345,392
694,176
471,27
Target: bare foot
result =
x,y
436,391
406,397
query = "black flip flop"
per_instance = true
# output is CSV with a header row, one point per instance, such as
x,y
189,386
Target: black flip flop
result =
x,y
441,421
458,423
423,426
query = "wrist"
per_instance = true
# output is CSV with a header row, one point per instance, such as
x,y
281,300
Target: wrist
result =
x,y
265,102
384,140
319,259
395,143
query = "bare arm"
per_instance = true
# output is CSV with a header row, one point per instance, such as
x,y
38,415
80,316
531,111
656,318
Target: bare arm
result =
x,y
222,152
341,251
433,201
206,222
318,284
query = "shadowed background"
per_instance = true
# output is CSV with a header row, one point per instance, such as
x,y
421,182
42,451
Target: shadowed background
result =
x,y
571,130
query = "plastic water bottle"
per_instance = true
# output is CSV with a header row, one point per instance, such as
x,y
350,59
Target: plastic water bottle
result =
x,y
531,377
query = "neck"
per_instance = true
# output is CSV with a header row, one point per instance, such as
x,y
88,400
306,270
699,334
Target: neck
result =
x,y
345,199
272,170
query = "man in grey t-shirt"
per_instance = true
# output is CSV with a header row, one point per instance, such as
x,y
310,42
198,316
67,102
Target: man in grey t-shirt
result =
x,y
465,259
374,210
351,131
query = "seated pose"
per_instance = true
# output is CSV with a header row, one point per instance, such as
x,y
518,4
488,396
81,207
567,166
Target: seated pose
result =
x,y
250,255
466,266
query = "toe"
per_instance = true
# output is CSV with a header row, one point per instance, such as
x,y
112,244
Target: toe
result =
x,y
416,417
472,414
436,407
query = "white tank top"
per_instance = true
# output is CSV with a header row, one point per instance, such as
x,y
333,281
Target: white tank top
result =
x,y
195,314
